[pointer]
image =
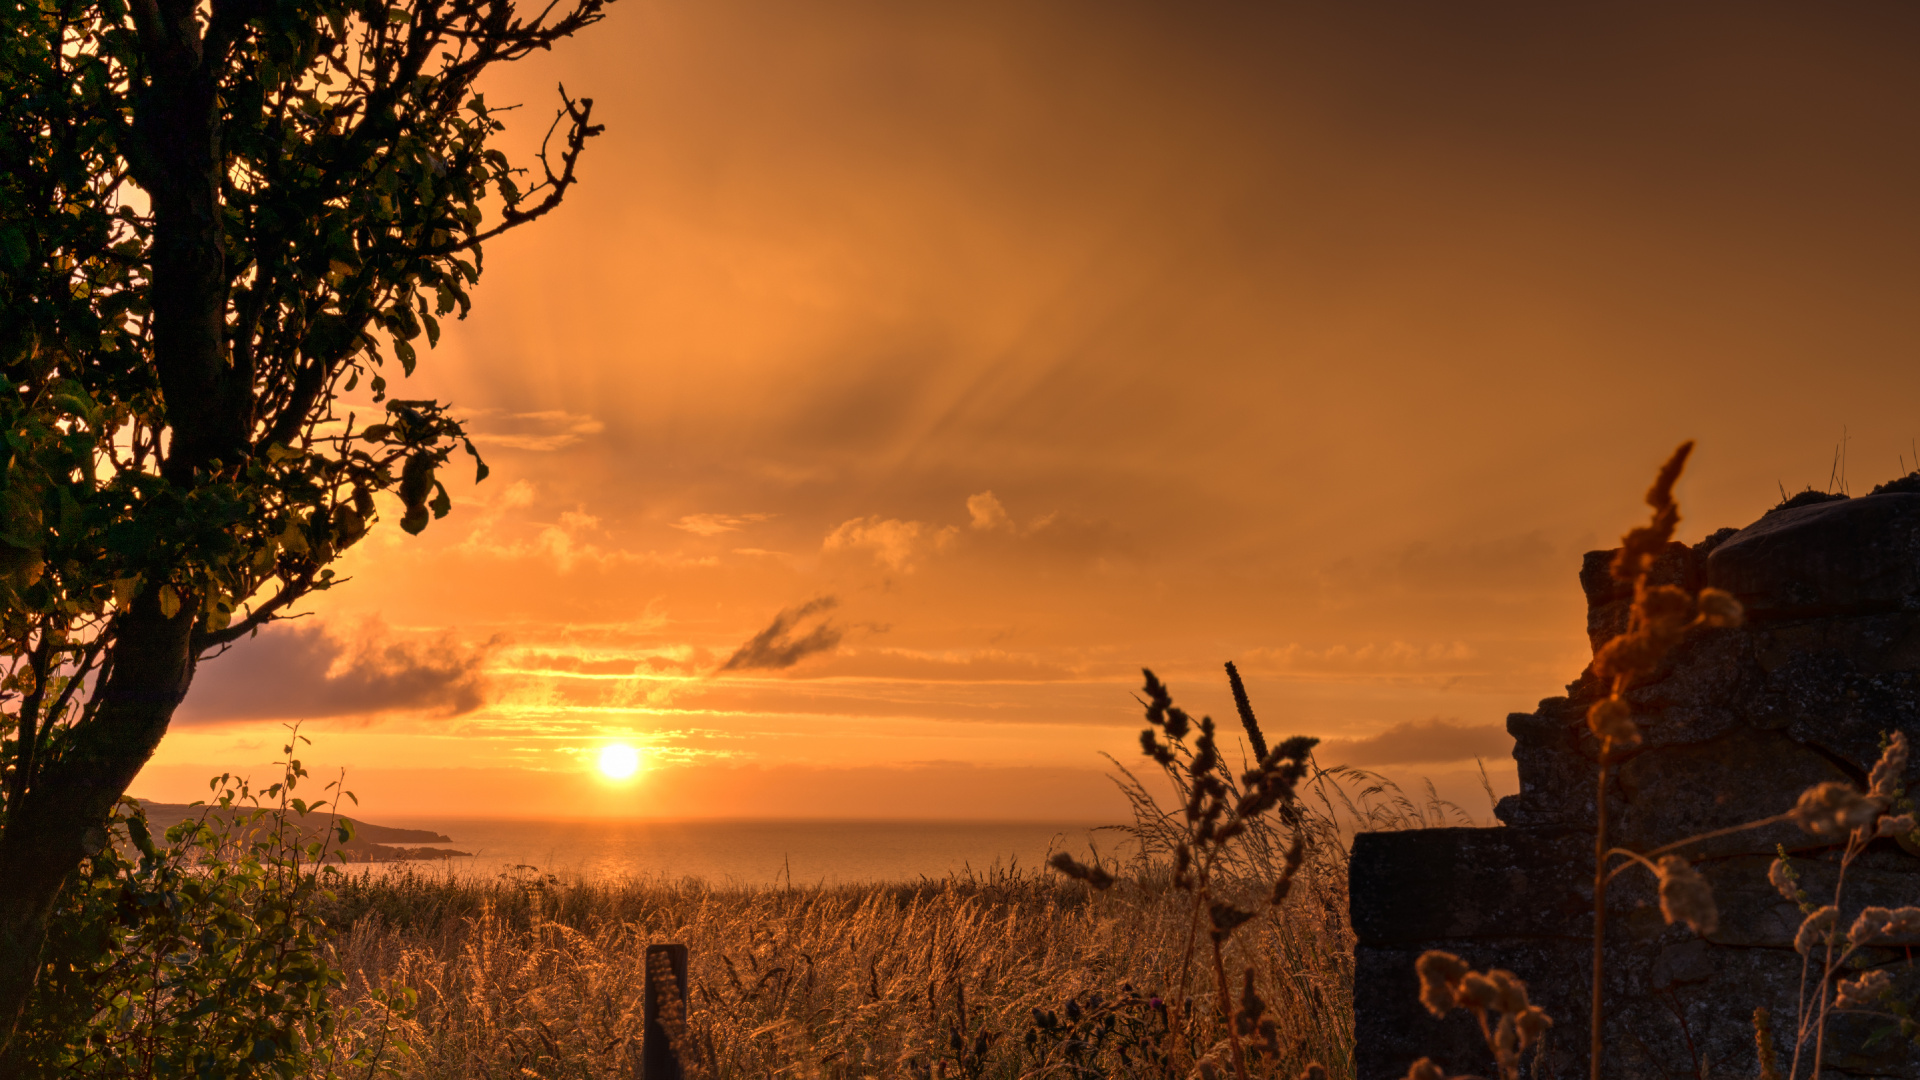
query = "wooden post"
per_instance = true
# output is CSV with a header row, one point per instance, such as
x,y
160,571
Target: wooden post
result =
x,y
666,1014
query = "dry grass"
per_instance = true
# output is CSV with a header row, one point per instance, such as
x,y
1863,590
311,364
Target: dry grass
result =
x,y
543,977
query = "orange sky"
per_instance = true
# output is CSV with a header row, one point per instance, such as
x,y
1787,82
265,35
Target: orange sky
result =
x,y
1008,347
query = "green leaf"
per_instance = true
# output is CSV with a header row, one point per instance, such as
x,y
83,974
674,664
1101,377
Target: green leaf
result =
x,y
13,248
141,835
404,351
441,503
169,601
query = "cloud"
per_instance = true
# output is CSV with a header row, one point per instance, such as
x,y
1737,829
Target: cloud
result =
x,y
775,648
306,671
894,543
987,512
715,524
1397,657
1419,741
553,429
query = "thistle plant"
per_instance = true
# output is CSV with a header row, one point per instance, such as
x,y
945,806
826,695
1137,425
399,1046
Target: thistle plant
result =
x,y
1497,999
1662,616
1840,811
1219,807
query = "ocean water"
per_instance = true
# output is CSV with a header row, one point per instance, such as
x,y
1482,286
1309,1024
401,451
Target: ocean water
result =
x,y
757,852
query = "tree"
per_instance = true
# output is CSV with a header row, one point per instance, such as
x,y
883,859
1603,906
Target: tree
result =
x,y
216,218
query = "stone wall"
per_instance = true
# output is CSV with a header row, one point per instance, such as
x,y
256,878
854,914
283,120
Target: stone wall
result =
x,y
1736,726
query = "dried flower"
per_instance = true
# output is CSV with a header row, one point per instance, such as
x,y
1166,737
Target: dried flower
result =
x,y
1314,1071
1667,607
1901,825
1094,875
1763,1045
1439,973
1884,781
1226,918
1425,1069
1509,993
1506,1043
1685,896
1476,991
1640,545
1864,991
1296,854
1833,808
1780,876
1533,1023
1877,924
1612,719
1718,609
1816,930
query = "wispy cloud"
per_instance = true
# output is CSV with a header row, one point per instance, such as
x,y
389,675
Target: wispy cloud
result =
x,y
311,671
547,430
776,647
715,524
895,544
1415,742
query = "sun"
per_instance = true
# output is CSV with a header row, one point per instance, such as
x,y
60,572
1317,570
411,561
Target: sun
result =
x,y
619,761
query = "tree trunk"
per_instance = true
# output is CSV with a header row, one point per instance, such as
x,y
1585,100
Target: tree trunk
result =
x,y
149,659
61,818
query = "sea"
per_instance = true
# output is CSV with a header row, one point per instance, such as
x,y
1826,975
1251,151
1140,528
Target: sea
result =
x,y
756,853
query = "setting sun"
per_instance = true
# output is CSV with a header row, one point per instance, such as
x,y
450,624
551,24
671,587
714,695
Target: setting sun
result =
x,y
619,761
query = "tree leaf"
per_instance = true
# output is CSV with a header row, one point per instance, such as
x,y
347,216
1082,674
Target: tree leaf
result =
x,y
480,470
13,248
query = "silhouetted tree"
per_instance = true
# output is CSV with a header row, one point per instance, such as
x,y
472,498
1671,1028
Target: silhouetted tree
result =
x,y
216,216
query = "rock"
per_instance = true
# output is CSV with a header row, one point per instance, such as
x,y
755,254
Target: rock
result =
x,y
1674,792
1682,962
1842,557
1735,725
1501,883
1608,600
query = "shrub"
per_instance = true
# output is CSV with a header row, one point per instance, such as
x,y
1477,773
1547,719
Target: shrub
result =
x,y
202,954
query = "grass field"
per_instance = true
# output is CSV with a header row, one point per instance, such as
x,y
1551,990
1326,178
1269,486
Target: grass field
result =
x,y
1024,974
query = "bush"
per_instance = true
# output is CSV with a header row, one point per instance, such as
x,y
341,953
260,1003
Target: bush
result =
x,y
203,955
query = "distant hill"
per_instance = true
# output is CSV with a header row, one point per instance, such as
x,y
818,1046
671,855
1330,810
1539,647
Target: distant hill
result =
x,y
370,843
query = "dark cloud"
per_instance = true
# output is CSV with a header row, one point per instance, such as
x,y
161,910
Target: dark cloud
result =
x,y
305,671
1419,742
776,647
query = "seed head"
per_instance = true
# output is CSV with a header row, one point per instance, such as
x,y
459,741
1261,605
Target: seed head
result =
x,y
1314,1071
1877,924
1425,1069
1612,719
1510,994
1833,808
1685,896
1718,608
1226,918
1476,991
1780,876
1902,825
1816,930
1884,781
1533,1023
1865,991
1506,1043
1763,1044
1094,875
1439,972
1667,607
